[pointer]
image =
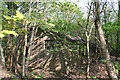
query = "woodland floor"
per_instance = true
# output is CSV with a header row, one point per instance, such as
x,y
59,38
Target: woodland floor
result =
x,y
98,70
4,73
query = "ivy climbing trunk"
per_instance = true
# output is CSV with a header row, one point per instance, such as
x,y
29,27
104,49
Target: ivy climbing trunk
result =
x,y
109,66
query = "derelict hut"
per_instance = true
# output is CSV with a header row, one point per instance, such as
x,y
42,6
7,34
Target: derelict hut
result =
x,y
42,54
50,51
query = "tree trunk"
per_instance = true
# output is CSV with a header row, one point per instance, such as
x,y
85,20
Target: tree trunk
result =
x,y
88,56
31,40
118,32
2,55
118,35
88,52
24,53
2,60
106,55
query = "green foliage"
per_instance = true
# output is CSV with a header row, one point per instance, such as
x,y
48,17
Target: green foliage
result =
x,y
117,67
15,79
19,15
94,77
15,19
2,35
81,71
10,32
27,58
32,74
17,3
105,61
63,17
59,17
25,31
7,17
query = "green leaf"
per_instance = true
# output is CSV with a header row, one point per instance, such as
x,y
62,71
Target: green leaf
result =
x,y
17,3
2,35
20,34
116,62
27,58
117,66
19,15
104,17
55,31
10,32
81,72
1,57
116,71
27,21
70,49
0,27
42,76
56,50
33,73
25,31
7,17
15,79
51,24
105,60
94,77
